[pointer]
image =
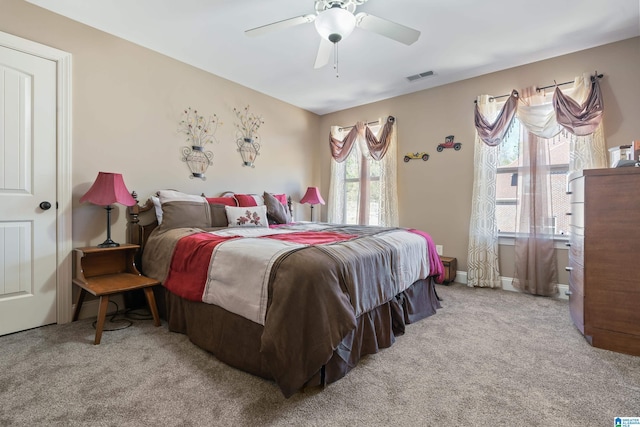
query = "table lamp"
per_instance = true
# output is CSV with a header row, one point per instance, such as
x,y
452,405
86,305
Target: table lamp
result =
x,y
108,188
313,197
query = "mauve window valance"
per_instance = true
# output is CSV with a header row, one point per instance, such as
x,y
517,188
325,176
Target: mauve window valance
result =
x,y
340,149
578,119
492,133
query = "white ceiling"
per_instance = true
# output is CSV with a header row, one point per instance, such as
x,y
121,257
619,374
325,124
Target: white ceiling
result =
x,y
460,39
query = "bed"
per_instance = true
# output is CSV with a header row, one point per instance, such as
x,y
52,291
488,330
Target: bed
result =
x,y
296,303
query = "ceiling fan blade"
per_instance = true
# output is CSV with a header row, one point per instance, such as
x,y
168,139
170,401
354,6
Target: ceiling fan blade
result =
x,y
280,25
324,52
387,28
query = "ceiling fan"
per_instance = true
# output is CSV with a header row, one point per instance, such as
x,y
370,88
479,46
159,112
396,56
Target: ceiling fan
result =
x,y
334,21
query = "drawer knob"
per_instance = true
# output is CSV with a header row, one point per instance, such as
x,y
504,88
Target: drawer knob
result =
x,y
569,213
568,293
568,268
567,244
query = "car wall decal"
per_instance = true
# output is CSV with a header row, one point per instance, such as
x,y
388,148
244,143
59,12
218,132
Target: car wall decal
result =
x,y
413,156
448,143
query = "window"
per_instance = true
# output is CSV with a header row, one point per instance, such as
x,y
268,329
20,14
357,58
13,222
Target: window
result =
x,y
507,182
362,188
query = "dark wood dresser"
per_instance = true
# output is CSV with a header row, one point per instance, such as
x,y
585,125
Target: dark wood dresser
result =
x,y
604,257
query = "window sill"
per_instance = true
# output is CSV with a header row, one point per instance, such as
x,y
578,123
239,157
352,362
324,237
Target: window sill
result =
x,y
559,242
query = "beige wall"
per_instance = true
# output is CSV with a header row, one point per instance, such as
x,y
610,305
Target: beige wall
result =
x,y
127,102
435,196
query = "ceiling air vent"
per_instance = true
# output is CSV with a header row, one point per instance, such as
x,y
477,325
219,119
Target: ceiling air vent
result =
x,y
419,76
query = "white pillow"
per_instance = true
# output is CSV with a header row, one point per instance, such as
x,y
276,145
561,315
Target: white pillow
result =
x,y
177,196
250,216
158,208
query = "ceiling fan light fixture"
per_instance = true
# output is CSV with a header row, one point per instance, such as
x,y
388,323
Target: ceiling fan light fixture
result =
x,y
335,24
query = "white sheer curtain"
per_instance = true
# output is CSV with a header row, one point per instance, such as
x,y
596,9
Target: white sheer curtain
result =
x,y
335,205
482,261
588,152
388,188
389,183
536,270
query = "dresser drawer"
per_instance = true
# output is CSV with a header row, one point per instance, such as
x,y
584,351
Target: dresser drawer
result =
x,y
576,190
576,246
577,214
576,276
576,308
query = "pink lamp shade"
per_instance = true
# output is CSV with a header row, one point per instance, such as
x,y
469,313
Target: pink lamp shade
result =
x,y
108,188
312,196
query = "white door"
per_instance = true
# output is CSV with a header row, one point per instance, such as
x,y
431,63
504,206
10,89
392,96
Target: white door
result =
x,y
27,179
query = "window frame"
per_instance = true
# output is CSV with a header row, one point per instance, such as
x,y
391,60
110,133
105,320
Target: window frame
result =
x,y
508,237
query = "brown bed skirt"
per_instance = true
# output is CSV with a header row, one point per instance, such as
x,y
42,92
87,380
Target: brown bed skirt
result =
x,y
236,341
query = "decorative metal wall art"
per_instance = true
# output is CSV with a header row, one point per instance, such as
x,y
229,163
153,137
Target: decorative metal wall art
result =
x,y
247,125
200,131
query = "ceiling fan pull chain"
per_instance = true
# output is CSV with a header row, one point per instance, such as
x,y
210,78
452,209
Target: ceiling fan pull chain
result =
x,y
335,59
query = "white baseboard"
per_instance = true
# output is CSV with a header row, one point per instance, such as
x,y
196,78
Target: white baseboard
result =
x,y
461,277
507,284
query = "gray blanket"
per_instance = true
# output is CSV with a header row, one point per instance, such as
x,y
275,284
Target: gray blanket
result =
x,y
315,294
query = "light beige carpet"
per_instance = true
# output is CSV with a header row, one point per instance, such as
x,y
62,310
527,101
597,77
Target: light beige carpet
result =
x,y
488,358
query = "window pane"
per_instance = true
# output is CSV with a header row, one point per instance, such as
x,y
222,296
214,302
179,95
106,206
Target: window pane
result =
x,y
352,166
559,150
560,200
506,217
509,147
506,185
374,203
352,197
374,167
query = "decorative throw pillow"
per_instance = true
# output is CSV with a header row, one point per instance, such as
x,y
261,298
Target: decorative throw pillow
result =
x,y
249,216
219,214
277,212
245,200
158,208
184,210
282,198
229,201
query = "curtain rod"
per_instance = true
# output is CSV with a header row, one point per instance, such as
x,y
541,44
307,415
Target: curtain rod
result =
x,y
538,89
375,122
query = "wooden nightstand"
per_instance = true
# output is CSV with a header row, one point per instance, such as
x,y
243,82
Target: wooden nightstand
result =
x,y
106,271
450,267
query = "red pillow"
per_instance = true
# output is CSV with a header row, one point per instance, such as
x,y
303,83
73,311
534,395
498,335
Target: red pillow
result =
x,y
282,198
246,200
228,201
